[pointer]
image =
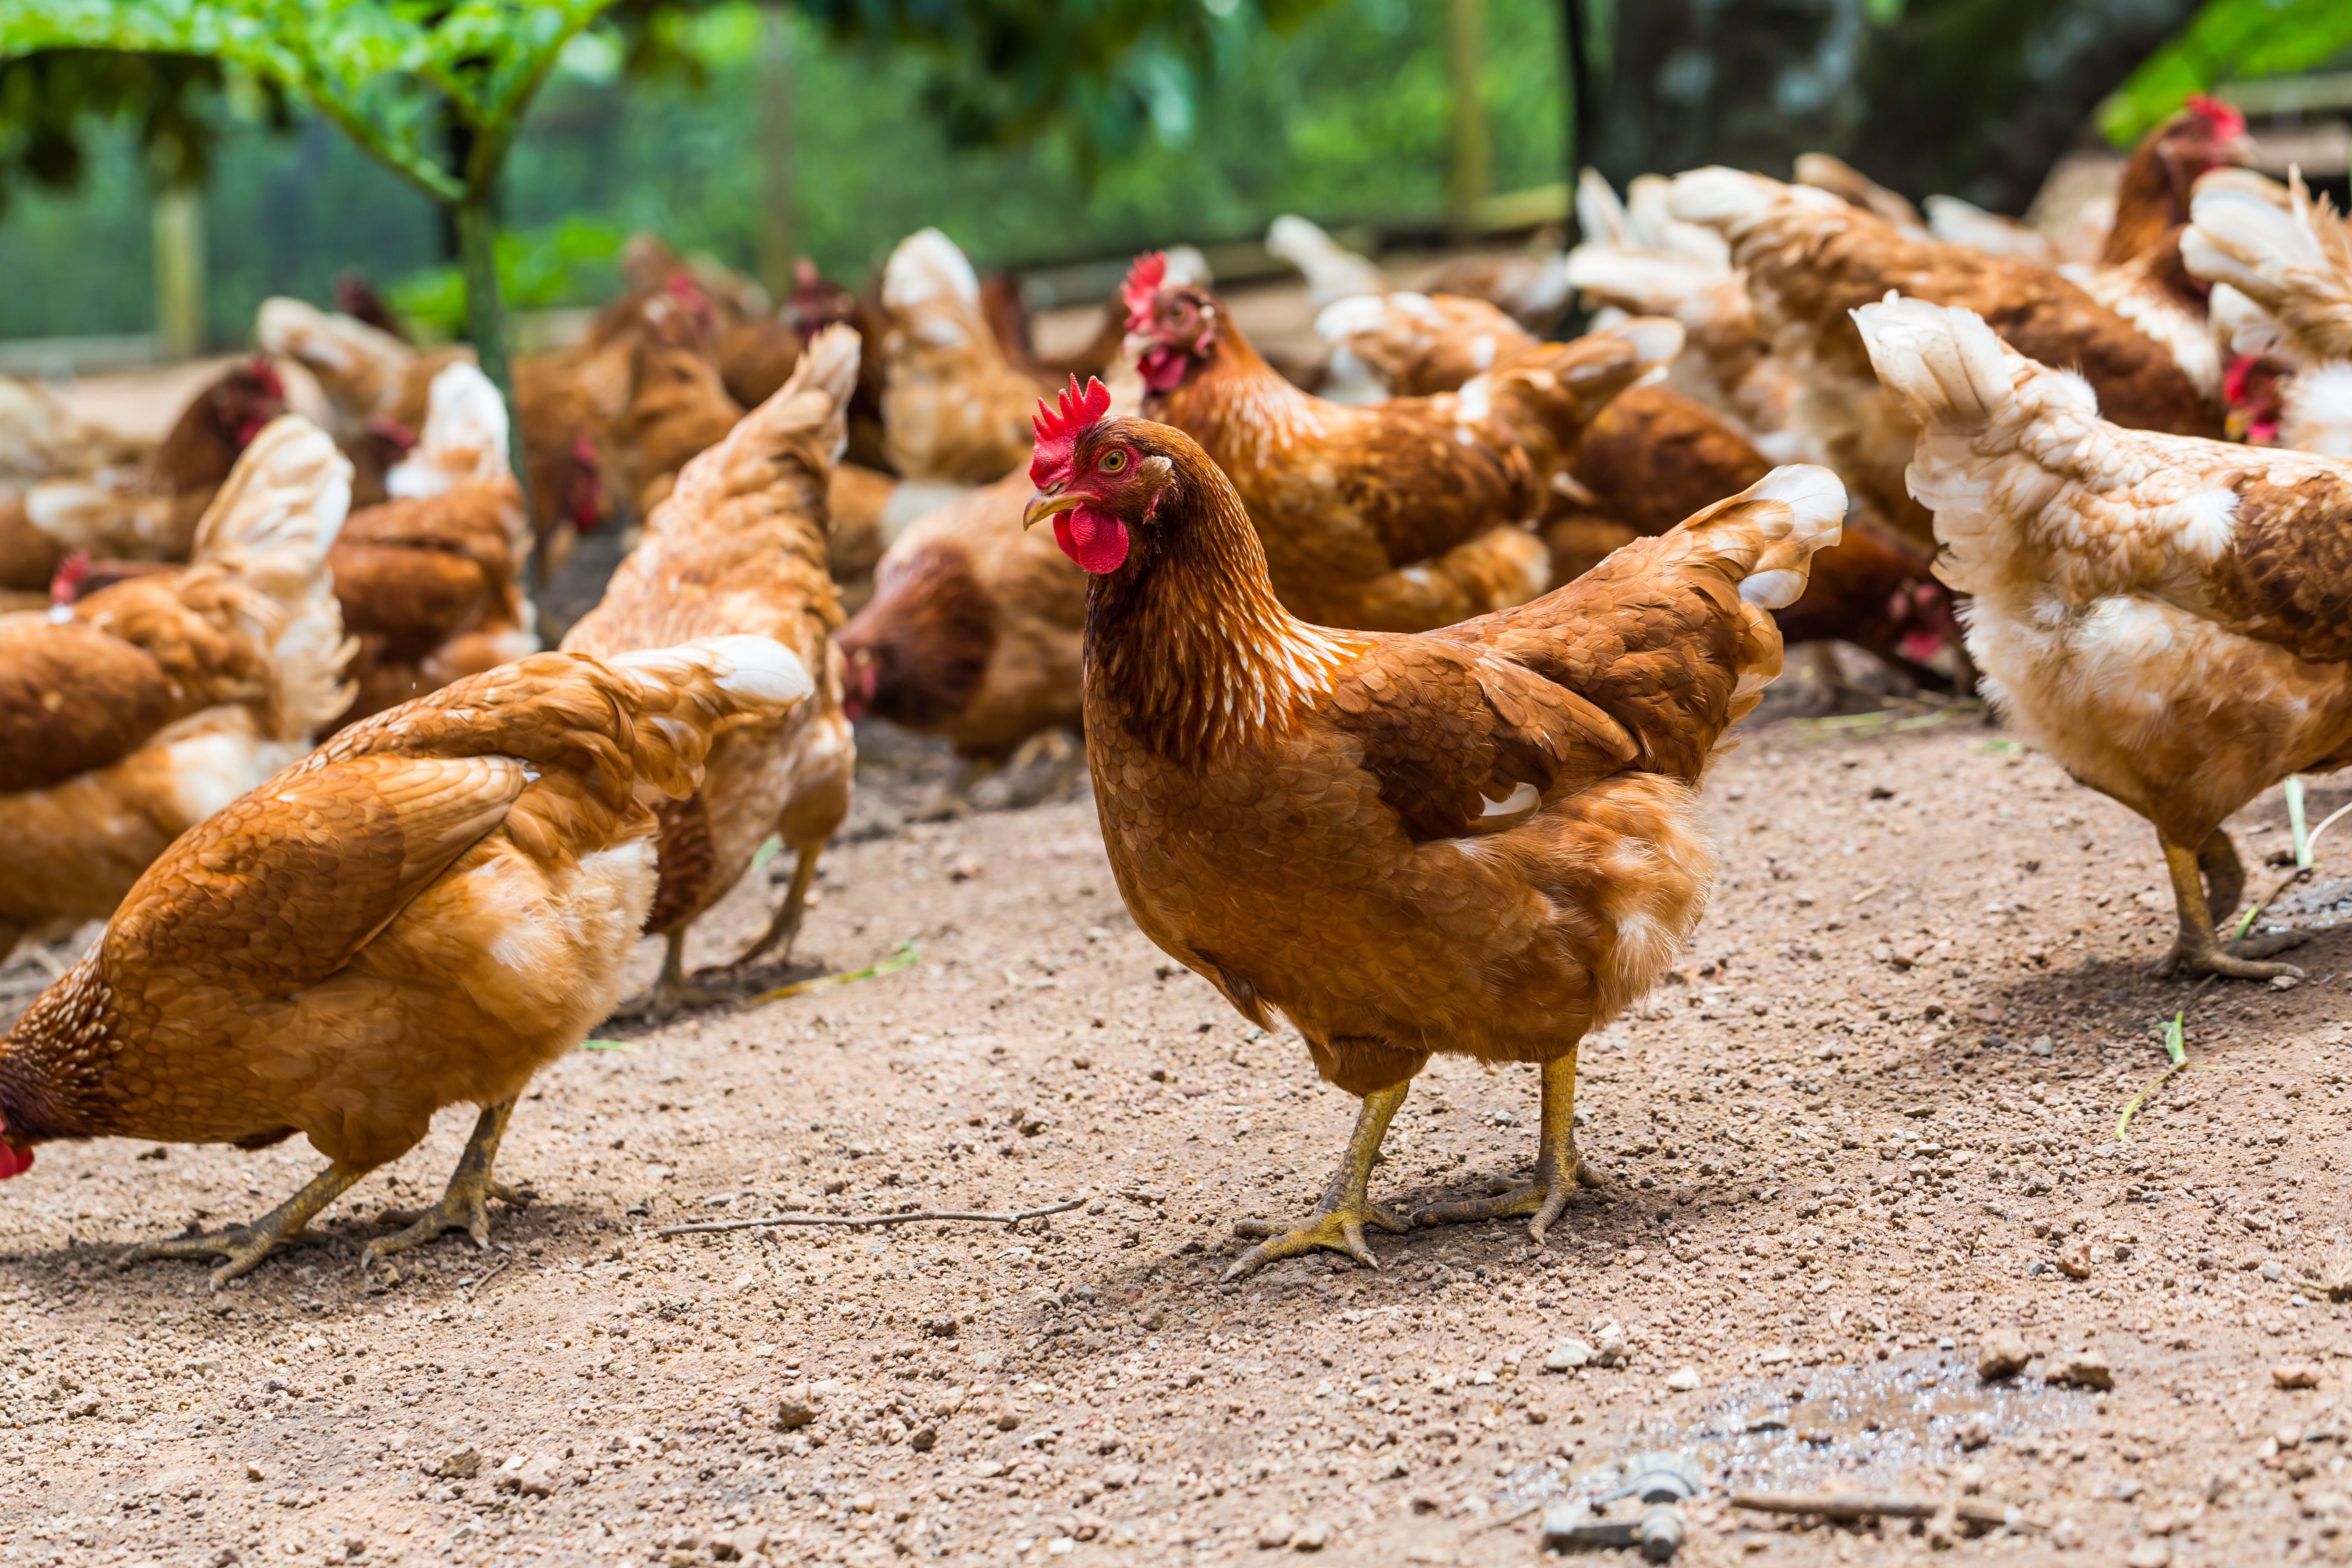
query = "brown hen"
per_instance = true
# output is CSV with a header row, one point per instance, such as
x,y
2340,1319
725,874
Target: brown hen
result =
x,y
1396,516
739,547
425,912
1485,841
130,713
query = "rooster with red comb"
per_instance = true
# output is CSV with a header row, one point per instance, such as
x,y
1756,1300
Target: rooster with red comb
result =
x,y
1484,840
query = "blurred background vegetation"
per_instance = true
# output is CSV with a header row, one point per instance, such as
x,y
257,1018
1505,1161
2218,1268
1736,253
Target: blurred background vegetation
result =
x,y
1037,131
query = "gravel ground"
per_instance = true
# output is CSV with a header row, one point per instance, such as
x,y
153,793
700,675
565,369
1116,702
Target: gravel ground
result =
x,y
1868,1130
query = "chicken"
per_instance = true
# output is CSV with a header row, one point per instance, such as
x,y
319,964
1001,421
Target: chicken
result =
x,y
41,438
2167,616
1398,516
1850,185
430,581
2296,266
954,407
380,390
739,548
755,344
1810,260
1637,259
1653,457
1531,286
866,512
975,631
1484,841
148,512
678,405
1332,271
1964,223
130,715
425,912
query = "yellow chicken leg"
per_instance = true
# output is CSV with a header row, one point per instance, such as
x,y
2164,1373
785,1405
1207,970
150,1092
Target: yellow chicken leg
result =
x,y
246,1245
1558,1168
1339,1219
786,926
673,991
465,1205
2196,949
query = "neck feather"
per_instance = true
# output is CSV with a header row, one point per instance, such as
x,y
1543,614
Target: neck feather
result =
x,y
1190,647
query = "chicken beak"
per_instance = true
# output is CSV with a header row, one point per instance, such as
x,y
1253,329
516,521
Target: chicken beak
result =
x,y
1043,506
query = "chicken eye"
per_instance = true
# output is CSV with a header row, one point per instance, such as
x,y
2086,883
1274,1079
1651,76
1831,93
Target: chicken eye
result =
x,y
1113,462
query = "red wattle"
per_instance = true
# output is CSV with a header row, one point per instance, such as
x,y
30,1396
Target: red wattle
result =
x,y
1920,646
1162,367
1095,540
13,1162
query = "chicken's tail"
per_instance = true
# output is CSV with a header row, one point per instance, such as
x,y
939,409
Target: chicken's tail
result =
x,y
265,540
928,267
1547,393
792,439
1822,172
2292,262
1411,344
1755,214
1956,222
682,697
1332,271
464,440
358,366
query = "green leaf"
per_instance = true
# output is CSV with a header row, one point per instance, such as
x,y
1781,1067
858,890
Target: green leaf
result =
x,y
569,263
2227,40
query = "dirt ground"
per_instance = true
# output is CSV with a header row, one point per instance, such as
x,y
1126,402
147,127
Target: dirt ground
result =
x,y
1871,1123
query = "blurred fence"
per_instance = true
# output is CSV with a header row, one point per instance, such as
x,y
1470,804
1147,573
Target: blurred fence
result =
x,y
1347,120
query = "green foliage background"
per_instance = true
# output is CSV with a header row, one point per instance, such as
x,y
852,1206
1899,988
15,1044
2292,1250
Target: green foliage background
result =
x,y
1343,118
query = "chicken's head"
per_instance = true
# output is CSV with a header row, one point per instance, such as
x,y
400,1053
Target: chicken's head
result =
x,y
1172,328
2206,135
1096,478
242,403
16,1158
583,496
1924,621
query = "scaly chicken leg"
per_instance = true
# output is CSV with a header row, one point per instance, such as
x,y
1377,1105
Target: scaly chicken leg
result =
x,y
1560,1170
2195,950
1339,1219
673,991
782,930
465,1205
246,1245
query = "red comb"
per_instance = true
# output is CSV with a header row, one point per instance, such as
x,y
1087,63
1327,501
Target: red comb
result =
x,y
2226,119
1058,429
394,431
1141,287
66,586
267,375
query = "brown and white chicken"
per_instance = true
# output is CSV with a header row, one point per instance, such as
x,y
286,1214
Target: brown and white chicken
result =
x,y
739,548
431,581
2170,617
954,408
2293,264
131,714
425,912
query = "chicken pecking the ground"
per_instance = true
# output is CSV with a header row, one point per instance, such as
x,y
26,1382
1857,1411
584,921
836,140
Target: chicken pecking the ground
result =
x,y
975,632
150,510
1651,459
740,548
1485,841
425,912
1395,516
2170,617
431,581
954,408
1810,258
129,714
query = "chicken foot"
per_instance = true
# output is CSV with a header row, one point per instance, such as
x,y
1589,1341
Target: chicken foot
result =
x,y
1339,1219
782,930
2196,949
1560,1170
673,991
243,1245
465,1204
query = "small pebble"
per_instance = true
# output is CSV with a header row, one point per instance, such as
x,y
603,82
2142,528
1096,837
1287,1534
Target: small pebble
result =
x,y
1277,1532
2003,1354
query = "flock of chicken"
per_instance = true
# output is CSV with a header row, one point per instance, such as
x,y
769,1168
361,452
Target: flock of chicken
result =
x,y
1396,698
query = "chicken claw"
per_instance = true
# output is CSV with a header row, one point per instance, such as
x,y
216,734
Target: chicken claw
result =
x,y
465,1205
1339,1219
1559,1171
244,1245
785,928
2195,950
674,992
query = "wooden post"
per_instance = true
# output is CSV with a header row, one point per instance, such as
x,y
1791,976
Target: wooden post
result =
x,y
778,234
1471,173
179,216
